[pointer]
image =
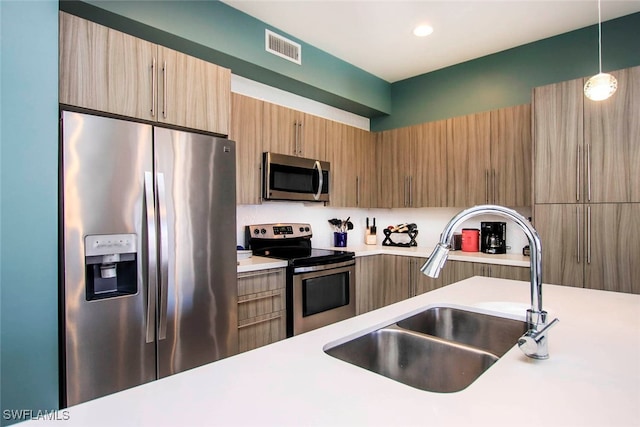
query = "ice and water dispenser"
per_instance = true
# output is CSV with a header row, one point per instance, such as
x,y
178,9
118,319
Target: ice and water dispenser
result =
x,y
110,265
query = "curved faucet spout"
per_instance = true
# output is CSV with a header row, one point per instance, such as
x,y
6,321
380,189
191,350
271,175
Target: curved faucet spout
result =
x,y
536,316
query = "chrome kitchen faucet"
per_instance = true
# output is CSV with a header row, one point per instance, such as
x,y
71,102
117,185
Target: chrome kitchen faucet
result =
x,y
534,342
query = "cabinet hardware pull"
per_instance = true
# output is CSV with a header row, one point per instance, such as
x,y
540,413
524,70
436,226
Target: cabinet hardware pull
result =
x,y
410,191
589,172
495,194
257,322
164,89
486,185
578,234
578,174
300,124
357,191
588,234
153,88
277,293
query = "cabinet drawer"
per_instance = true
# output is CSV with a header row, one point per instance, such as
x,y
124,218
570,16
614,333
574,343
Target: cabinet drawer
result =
x,y
260,304
261,330
261,281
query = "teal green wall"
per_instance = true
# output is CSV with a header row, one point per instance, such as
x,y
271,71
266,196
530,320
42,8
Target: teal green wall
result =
x,y
214,31
28,210
506,78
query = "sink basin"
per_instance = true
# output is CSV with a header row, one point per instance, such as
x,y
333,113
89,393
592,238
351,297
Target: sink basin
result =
x,y
490,333
441,349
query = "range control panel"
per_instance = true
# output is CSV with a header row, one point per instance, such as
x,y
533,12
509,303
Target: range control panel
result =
x,y
279,231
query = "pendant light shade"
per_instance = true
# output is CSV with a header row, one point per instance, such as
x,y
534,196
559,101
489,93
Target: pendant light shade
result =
x,y
602,85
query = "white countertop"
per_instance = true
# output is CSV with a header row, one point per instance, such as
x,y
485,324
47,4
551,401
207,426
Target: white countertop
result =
x,y
591,379
255,263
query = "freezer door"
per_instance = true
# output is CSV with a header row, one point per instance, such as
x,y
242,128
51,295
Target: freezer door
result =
x,y
195,180
103,164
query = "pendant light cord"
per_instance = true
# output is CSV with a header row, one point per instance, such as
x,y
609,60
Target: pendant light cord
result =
x,y
599,39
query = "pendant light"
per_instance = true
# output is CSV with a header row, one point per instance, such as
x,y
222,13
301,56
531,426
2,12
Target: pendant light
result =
x,y
602,85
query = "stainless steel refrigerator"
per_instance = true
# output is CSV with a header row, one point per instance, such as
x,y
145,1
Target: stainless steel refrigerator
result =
x,y
148,244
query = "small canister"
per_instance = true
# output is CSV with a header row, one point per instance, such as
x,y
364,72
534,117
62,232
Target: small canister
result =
x,y
470,240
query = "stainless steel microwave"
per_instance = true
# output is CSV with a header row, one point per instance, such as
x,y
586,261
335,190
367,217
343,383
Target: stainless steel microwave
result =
x,y
294,178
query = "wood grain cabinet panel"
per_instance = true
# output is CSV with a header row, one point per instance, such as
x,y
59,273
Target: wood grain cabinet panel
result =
x,y
291,132
429,185
106,70
246,131
511,156
558,142
394,154
193,93
468,157
351,152
261,308
612,142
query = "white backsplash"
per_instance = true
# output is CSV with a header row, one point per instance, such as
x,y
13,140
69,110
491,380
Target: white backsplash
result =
x,y
430,222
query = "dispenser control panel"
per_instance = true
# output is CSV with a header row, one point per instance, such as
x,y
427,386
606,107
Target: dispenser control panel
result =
x,y
110,244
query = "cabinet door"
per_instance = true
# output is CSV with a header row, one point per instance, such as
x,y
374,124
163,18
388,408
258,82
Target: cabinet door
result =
x,y
468,159
395,163
312,141
246,131
105,70
368,280
341,148
430,159
511,156
396,280
365,157
612,142
422,283
561,230
613,247
558,136
280,130
193,93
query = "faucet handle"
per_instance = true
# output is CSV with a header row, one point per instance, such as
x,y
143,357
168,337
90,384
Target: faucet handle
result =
x,y
534,343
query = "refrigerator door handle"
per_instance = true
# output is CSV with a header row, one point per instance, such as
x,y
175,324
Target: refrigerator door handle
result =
x,y
164,256
152,262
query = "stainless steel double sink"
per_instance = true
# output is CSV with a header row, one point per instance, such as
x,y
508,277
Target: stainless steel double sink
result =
x,y
441,349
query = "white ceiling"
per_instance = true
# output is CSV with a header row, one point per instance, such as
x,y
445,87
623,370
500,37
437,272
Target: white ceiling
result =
x,y
376,35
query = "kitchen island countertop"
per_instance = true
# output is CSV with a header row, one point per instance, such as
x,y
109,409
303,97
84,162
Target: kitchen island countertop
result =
x,y
592,377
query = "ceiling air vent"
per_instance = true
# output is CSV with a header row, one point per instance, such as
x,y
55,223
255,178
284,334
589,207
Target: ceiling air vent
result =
x,y
283,47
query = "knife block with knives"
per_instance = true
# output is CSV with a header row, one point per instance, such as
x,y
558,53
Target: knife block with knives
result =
x,y
370,237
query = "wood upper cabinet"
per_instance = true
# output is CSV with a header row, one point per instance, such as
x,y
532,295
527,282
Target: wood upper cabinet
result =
x,y
351,152
511,155
106,70
468,159
612,142
587,151
558,141
429,183
394,153
246,131
291,132
193,93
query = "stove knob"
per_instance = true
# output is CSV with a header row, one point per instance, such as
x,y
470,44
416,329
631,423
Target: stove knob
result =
x,y
301,229
263,231
256,231
306,229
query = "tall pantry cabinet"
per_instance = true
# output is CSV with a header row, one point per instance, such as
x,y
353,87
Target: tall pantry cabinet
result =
x,y
587,184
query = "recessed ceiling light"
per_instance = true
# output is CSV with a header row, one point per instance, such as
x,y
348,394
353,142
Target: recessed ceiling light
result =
x,y
422,30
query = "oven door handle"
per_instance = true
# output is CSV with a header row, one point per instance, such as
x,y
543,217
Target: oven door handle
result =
x,y
317,166
331,266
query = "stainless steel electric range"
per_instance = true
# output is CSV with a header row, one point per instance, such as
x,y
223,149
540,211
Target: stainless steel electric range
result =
x,y
320,282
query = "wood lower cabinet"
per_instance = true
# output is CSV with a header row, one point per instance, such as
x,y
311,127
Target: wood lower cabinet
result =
x,y
261,308
106,70
381,280
593,246
246,131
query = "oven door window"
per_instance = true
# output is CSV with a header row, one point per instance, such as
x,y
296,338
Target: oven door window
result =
x,y
324,293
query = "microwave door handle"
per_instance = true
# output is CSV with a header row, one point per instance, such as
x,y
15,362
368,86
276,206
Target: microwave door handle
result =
x,y
320,179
